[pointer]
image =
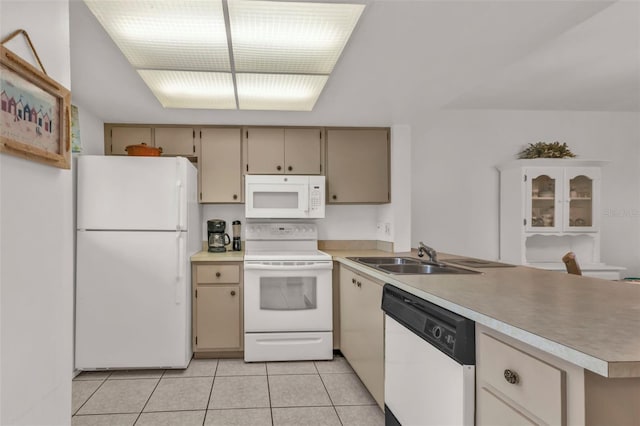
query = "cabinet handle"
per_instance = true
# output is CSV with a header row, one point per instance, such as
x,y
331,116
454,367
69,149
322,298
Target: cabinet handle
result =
x,y
335,197
218,274
359,284
233,292
290,168
353,280
511,377
279,168
235,196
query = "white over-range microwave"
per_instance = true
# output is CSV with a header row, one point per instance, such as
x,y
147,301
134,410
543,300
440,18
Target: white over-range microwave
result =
x,y
284,197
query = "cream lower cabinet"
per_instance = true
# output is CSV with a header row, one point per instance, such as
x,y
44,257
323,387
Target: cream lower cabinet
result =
x,y
517,384
219,165
362,329
358,166
217,307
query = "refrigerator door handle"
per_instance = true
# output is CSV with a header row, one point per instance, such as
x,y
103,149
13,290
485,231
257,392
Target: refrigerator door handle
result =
x,y
179,205
179,275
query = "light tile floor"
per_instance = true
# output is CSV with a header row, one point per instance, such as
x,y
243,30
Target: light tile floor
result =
x,y
226,392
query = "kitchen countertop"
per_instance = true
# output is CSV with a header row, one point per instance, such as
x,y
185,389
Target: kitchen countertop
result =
x,y
589,322
227,256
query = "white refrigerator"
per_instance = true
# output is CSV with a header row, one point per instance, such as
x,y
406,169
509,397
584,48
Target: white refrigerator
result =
x,y
138,223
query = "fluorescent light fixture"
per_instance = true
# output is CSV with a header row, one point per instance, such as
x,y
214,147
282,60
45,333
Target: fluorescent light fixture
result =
x,y
289,37
279,56
191,89
281,92
175,35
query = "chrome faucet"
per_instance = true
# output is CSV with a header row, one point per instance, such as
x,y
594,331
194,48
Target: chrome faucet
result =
x,y
422,249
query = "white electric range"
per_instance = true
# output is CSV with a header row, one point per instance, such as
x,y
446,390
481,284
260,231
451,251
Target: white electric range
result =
x,y
288,312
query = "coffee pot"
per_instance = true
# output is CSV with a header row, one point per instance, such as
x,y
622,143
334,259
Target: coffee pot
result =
x,y
217,238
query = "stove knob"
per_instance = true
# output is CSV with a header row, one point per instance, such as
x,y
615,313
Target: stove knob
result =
x,y
436,331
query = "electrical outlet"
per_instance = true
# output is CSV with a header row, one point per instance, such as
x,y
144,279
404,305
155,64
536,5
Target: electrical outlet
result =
x,y
387,228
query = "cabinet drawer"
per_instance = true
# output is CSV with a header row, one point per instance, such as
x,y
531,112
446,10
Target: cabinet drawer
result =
x,y
496,412
540,387
212,274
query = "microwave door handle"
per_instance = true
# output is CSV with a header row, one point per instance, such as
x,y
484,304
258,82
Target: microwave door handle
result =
x,y
304,202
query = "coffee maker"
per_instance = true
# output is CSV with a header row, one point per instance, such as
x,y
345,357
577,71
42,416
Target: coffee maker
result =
x,y
216,235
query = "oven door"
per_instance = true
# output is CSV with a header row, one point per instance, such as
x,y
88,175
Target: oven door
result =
x,y
287,296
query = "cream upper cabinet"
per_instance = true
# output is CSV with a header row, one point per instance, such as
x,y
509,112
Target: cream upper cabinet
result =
x,y
220,165
119,137
358,166
175,141
217,312
277,150
362,329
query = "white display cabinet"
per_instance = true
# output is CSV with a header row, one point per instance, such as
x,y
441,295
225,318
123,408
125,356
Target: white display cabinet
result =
x,y
549,207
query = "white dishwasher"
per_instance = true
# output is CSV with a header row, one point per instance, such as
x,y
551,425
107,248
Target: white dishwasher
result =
x,y
429,363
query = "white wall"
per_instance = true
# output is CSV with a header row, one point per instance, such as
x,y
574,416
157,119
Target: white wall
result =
x,y
455,195
341,222
91,131
36,257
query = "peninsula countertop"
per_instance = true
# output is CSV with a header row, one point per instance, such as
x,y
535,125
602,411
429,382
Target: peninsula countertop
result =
x,y
589,322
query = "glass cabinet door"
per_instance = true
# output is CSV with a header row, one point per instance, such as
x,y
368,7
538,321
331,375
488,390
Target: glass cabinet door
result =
x,y
580,199
544,194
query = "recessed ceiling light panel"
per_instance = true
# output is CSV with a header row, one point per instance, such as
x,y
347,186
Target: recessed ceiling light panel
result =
x,y
282,92
184,35
191,89
290,37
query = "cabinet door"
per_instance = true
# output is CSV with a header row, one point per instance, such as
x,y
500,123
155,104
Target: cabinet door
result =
x,y
544,199
217,320
357,166
121,137
265,151
175,141
220,165
302,151
362,330
350,318
582,189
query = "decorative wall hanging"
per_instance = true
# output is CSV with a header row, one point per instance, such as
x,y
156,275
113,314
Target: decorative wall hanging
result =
x,y
35,114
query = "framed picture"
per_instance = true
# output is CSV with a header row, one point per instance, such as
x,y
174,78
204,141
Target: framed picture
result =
x,y
35,118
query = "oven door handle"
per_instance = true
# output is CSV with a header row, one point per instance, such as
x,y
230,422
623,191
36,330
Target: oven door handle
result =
x,y
287,267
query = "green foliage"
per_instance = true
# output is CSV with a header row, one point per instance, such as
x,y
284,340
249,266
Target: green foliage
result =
x,y
546,150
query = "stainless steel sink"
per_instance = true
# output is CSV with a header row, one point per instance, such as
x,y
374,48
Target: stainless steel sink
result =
x,y
386,260
408,265
424,268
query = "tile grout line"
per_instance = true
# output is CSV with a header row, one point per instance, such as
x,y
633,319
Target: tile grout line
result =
x,y
266,367
87,400
333,405
149,398
215,374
